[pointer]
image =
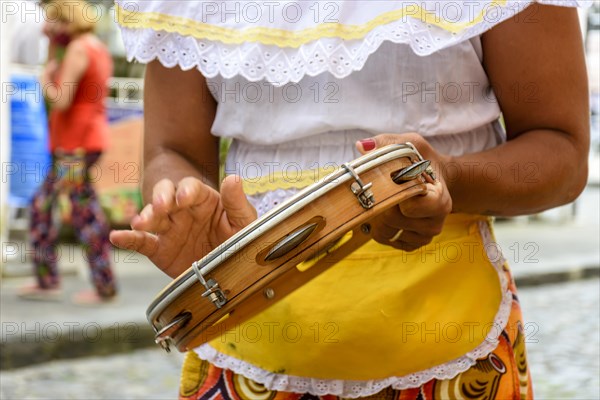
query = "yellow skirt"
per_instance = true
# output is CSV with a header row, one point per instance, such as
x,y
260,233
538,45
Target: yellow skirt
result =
x,y
440,322
382,312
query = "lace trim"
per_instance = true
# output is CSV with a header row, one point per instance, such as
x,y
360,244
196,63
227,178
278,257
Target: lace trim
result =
x,y
355,389
173,45
263,202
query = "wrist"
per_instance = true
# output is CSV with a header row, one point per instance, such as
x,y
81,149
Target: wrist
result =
x,y
448,173
444,169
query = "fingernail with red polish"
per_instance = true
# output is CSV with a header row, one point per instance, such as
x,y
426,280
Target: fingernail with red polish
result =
x,y
368,144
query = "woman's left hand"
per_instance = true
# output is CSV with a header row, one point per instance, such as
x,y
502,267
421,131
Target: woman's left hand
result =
x,y
416,221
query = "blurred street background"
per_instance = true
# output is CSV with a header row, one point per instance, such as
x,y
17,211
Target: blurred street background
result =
x,y
107,352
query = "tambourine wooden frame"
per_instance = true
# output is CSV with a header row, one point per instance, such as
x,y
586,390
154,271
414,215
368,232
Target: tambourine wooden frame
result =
x,y
185,313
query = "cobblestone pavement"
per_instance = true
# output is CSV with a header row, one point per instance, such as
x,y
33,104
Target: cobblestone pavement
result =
x,y
144,374
563,342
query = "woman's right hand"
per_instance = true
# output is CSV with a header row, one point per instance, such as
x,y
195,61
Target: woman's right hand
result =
x,y
185,221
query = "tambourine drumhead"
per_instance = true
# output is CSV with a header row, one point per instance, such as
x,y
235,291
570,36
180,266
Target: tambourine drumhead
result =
x,y
285,248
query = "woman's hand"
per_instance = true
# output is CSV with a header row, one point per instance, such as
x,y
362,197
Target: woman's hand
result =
x,y
416,221
186,221
49,73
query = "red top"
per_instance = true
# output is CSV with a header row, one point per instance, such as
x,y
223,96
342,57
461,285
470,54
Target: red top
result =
x,y
84,124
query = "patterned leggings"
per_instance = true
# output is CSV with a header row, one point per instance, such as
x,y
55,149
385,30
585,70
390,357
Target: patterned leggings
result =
x,y
89,223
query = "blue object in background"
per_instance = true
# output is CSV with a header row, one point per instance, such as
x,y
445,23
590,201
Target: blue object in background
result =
x,y
118,112
30,158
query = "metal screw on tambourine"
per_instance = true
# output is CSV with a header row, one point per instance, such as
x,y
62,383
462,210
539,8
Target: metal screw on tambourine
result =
x,y
213,291
429,171
269,293
412,171
361,190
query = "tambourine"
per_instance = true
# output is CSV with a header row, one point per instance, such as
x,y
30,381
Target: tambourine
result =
x,y
285,248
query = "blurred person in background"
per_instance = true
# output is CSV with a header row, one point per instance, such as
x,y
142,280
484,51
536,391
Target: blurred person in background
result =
x,y
74,83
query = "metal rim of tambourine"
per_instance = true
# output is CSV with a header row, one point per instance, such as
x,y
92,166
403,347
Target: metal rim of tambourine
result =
x,y
201,268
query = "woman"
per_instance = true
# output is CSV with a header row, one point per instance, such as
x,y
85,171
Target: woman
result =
x,y
401,317
75,84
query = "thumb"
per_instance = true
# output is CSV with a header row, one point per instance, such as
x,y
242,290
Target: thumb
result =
x,y
239,210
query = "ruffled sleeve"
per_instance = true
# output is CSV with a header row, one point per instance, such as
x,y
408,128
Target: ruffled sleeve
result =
x,y
285,40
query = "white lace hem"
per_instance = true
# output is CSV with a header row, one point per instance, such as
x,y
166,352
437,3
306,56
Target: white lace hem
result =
x,y
355,389
281,65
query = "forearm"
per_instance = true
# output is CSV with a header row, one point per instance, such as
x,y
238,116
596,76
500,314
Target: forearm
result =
x,y
53,51
544,162
60,80
164,163
178,115
59,96
535,171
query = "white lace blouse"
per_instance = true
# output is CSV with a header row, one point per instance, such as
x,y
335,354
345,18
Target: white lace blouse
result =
x,y
446,97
